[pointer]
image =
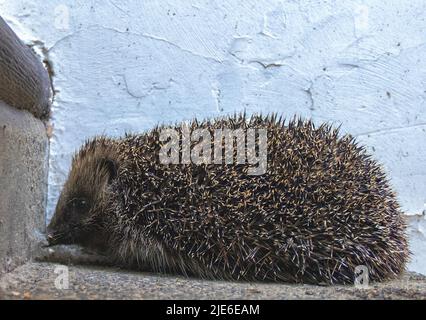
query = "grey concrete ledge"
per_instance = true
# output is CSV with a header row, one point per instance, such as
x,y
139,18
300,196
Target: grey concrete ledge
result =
x,y
23,185
37,281
24,81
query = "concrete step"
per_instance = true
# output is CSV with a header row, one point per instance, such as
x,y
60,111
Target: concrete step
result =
x,y
36,280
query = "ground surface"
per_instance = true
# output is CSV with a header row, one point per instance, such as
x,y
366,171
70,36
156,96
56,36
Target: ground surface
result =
x,y
36,280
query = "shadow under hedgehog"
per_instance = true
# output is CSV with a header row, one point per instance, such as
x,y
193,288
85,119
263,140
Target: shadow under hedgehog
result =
x,y
322,208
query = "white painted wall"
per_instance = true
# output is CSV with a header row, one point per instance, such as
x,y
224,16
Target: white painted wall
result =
x,y
126,65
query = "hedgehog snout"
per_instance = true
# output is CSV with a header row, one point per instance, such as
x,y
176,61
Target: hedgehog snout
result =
x,y
50,239
54,237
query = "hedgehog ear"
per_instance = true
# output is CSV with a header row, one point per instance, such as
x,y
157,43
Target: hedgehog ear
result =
x,y
111,167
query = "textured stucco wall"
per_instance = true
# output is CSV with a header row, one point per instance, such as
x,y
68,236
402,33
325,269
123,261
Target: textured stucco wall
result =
x,y
126,65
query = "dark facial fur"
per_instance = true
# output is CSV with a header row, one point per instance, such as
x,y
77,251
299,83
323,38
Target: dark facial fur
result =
x,y
77,219
322,208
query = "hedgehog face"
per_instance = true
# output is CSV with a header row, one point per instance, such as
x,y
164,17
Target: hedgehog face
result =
x,y
71,218
77,219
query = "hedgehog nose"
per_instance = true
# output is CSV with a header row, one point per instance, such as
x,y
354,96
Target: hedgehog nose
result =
x,y
50,238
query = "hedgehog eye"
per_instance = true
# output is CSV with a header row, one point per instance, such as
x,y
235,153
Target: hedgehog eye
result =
x,y
79,204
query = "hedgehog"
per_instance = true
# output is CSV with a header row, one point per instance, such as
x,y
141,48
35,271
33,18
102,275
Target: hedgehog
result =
x,y
322,206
